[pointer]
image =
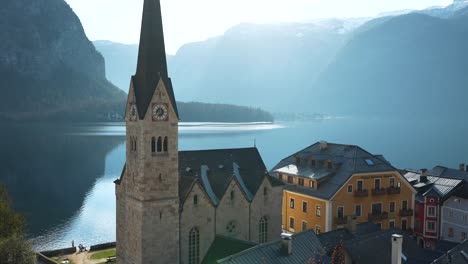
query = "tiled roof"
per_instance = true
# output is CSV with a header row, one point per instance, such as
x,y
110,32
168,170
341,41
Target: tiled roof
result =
x,y
215,169
363,249
305,248
346,159
152,65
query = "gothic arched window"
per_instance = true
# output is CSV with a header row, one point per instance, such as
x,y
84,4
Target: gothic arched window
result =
x,y
263,230
159,144
165,144
194,246
153,145
195,199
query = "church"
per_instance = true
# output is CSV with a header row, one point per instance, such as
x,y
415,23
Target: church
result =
x,y
171,204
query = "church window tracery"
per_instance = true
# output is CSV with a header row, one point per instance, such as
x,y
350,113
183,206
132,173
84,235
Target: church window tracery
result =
x,y
194,246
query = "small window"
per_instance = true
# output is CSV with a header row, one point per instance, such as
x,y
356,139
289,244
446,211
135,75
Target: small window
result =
x,y
232,195
265,191
404,224
311,184
430,226
350,188
404,205
391,208
357,210
399,184
290,179
391,223
318,230
301,181
340,212
431,211
263,230
463,236
291,222
318,210
359,186
165,144
231,227
450,232
312,163
291,203
377,184
304,206
392,182
153,145
304,225
195,199
159,147
280,176
369,162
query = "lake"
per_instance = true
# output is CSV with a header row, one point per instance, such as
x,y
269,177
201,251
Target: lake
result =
x,y
61,176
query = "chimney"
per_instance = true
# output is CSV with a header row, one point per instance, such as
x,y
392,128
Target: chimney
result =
x,y
423,177
462,166
397,245
352,224
323,145
286,244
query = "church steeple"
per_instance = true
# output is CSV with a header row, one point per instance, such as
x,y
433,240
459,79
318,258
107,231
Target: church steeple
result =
x,y
152,65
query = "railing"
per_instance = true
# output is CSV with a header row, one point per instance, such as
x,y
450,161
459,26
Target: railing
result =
x,y
393,190
377,192
361,193
406,212
340,220
378,216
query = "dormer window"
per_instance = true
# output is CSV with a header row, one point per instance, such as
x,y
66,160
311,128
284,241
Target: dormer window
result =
x,y
313,163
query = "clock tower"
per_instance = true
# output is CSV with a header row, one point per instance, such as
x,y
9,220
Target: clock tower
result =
x,y
147,193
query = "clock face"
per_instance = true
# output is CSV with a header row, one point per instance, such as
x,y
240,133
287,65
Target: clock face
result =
x,y
133,113
160,112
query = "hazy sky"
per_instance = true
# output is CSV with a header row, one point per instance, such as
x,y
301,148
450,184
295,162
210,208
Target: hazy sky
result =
x,y
194,20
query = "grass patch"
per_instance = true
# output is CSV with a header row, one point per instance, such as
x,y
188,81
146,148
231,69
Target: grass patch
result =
x,y
103,254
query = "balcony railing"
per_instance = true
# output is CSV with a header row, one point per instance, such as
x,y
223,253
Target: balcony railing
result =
x,y
393,190
361,193
377,192
340,220
406,212
378,216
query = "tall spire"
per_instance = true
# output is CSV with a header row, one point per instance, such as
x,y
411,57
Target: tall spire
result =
x,y
152,65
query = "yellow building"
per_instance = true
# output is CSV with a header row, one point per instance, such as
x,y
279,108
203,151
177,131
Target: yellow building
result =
x,y
328,184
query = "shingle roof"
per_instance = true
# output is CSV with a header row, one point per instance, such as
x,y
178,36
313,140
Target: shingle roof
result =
x,y
457,255
305,247
362,249
347,160
152,65
333,238
215,169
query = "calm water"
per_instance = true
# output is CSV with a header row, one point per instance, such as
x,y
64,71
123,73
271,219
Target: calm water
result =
x,y
61,176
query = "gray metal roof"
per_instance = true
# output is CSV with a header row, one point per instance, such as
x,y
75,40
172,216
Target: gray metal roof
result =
x,y
445,172
457,255
305,248
435,184
346,159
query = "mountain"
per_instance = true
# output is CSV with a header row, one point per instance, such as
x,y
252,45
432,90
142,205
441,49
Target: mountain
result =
x,y
412,64
49,68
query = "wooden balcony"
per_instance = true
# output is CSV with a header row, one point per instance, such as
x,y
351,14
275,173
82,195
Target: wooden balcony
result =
x,y
361,193
340,220
393,190
378,192
378,216
406,212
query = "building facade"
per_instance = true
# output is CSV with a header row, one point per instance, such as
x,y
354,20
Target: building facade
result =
x,y
454,217
171,204
433,190
329,184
